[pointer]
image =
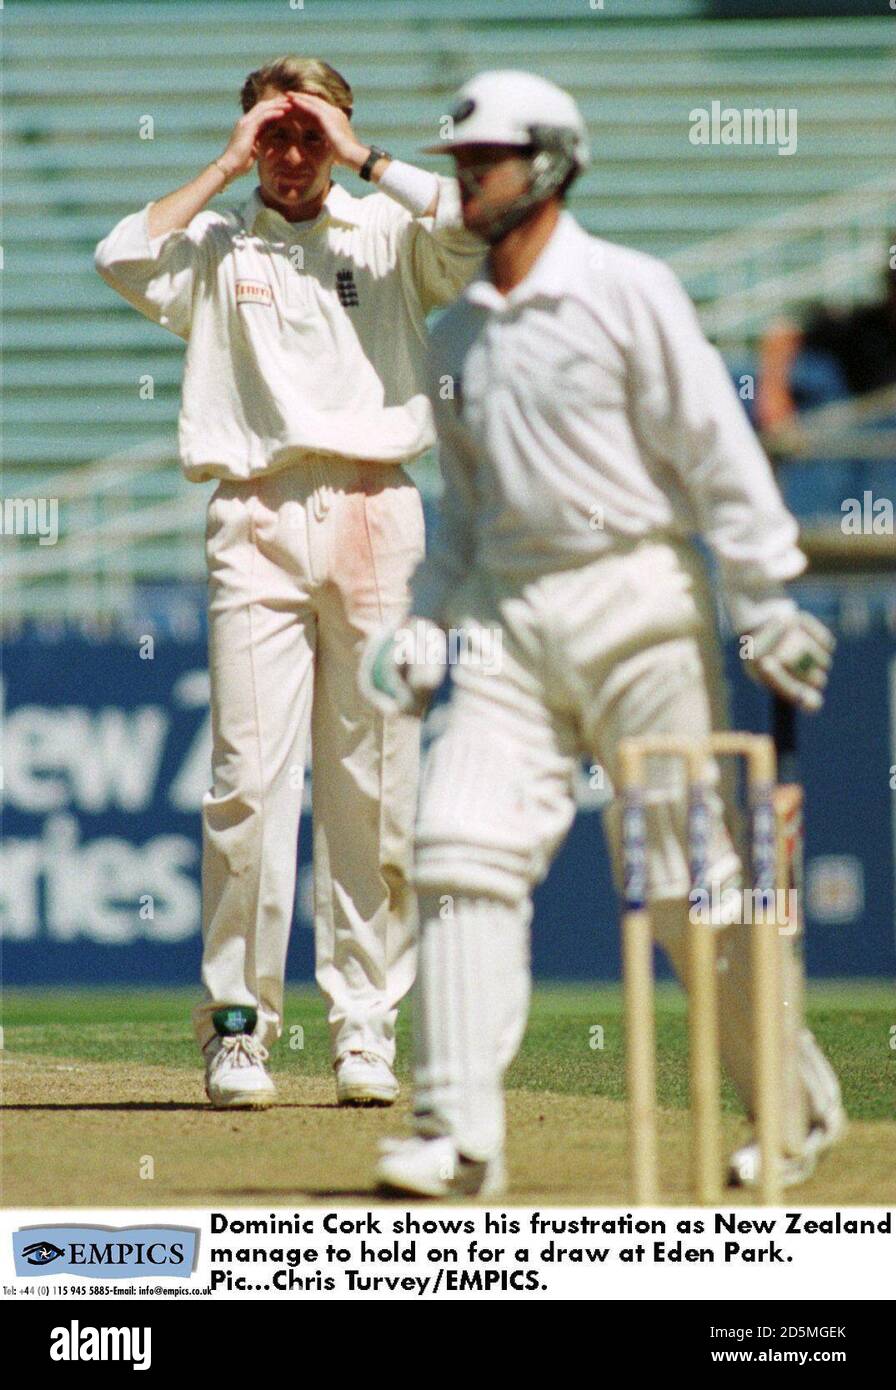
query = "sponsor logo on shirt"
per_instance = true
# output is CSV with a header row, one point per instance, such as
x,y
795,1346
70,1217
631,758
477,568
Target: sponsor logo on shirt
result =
x,y
253,292
347,289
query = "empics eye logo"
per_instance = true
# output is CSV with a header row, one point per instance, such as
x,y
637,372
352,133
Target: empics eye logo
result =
x,y
42,1252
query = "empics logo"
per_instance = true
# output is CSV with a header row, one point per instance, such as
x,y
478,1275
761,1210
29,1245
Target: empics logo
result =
x,y
113,1252
77,1343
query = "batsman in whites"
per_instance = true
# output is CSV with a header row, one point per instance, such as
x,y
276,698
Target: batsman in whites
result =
x,y
588,432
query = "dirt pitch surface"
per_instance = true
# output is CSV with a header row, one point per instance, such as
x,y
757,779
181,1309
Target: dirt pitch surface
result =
x,y
79,1130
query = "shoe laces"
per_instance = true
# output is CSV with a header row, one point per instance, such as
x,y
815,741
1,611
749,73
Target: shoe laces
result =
x,y
241,1050
372,1057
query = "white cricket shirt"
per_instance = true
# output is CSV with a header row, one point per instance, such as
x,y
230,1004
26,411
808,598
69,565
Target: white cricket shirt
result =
x,y
303,337
585,409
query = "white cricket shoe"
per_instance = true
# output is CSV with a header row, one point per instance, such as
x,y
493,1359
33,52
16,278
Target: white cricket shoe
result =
x,y
364,1078
433,1168
745,1163
235,1075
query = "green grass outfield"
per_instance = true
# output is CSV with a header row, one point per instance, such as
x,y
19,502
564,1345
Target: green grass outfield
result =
x,y
573,1045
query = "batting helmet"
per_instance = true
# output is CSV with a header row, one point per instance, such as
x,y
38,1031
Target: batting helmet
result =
x,y
525,111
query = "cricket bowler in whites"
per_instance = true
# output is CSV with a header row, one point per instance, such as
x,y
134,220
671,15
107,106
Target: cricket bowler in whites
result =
x,y
304,313
591,432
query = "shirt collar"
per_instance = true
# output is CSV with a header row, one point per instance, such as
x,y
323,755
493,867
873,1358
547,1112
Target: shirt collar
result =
x,y
556,273
339,206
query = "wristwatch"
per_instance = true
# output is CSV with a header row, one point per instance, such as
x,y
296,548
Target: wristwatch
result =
x,y
366,170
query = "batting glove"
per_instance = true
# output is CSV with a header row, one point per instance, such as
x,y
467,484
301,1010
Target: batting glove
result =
x,y
402,667
791,653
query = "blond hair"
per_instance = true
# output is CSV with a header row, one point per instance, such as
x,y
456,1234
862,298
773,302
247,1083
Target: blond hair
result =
x,y
293,74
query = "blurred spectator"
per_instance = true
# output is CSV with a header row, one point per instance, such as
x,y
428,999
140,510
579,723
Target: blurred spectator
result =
x,y
836,353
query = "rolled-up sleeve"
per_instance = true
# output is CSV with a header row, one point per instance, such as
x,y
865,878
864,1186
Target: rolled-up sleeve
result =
x,y
157,275
689,414
441,254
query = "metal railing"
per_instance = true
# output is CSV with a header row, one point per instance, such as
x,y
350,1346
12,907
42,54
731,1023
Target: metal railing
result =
x,y
862,427
828,249
121,520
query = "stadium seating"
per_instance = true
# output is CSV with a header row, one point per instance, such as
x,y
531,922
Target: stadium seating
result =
x,y
81,78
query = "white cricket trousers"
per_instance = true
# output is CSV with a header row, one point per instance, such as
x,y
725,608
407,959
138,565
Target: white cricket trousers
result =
x,y
618,647
303,564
